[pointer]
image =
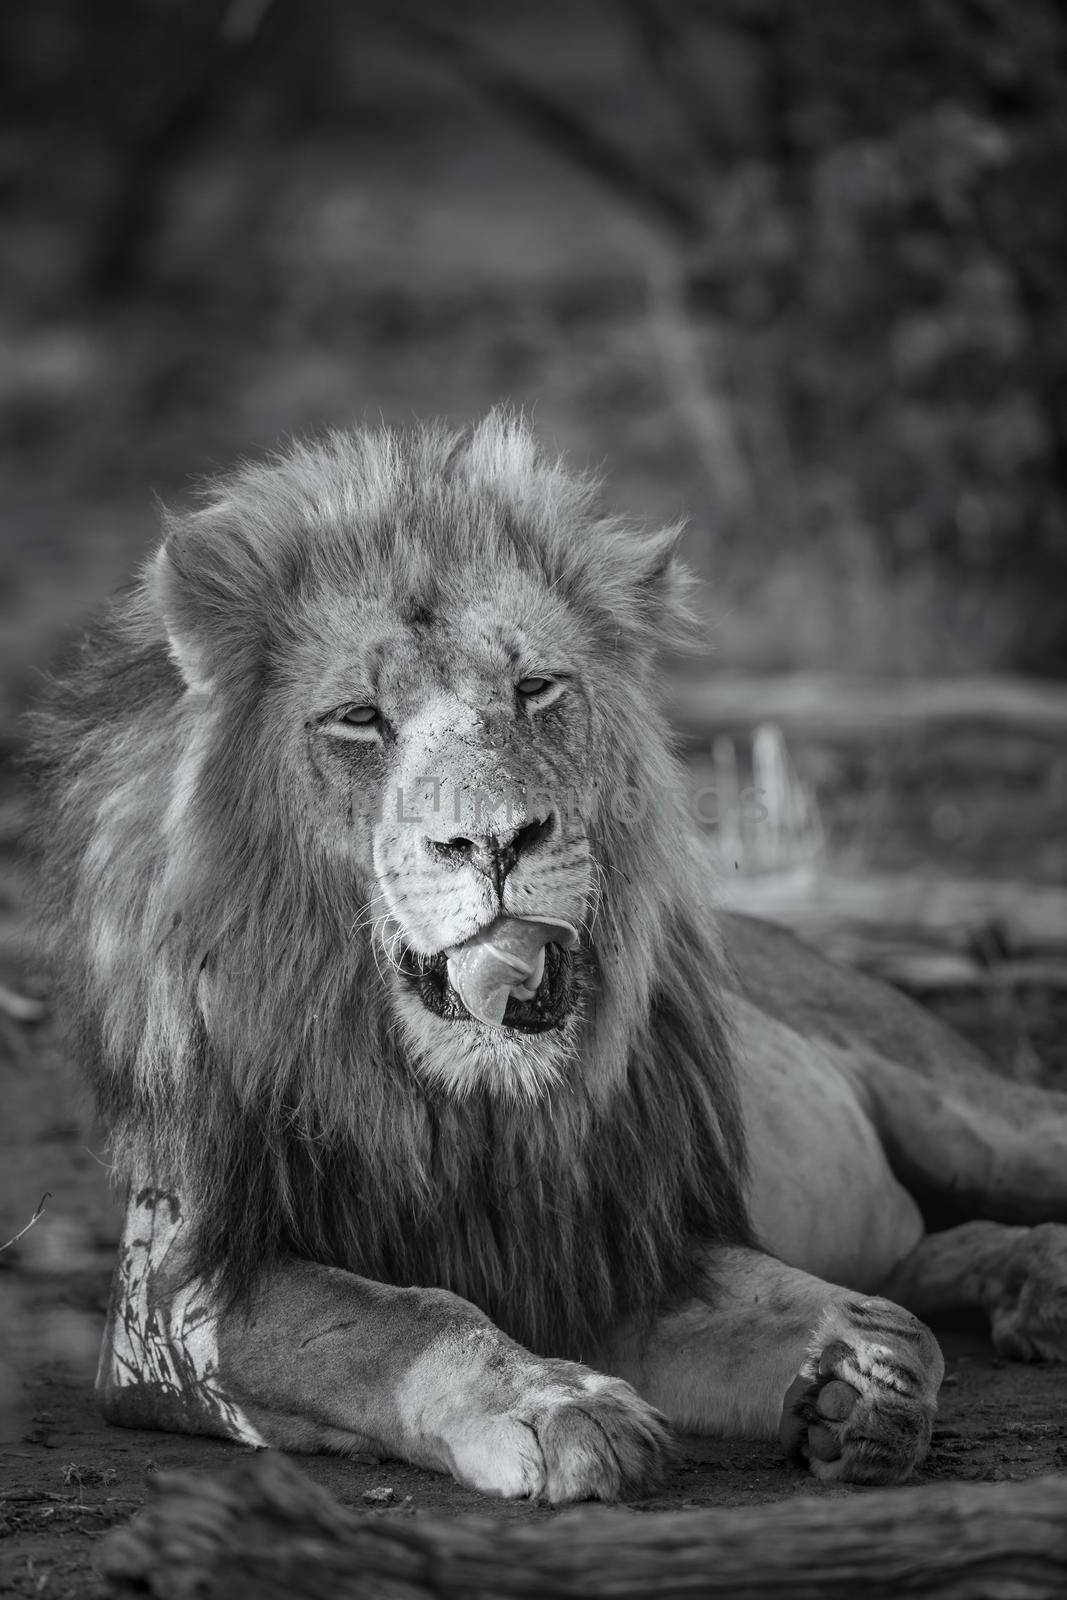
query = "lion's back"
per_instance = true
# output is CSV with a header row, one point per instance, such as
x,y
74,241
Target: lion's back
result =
x,y
821,998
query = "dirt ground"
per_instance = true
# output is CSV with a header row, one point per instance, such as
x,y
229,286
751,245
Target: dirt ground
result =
x,y
67,1478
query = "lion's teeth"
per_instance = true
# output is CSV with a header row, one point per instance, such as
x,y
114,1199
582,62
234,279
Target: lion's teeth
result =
x,y
527,989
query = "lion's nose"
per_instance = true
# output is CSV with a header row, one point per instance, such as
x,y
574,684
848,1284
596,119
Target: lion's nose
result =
x,y
496,853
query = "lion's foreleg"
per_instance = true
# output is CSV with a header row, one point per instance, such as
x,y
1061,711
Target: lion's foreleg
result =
x,y
849,1383
160,1362
722,1363
320,1359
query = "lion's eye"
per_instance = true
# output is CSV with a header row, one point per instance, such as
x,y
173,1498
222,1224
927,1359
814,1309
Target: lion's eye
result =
x,y
354,722
538,691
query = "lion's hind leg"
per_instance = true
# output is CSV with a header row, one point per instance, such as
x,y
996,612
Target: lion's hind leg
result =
x,y
966,1141
1016,1276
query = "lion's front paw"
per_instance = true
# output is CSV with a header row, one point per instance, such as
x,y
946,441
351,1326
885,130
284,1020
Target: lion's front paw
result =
x,y
861,1409
579,1437
1028,1299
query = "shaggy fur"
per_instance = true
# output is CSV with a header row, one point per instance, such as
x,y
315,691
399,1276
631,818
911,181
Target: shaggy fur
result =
x,y
207,896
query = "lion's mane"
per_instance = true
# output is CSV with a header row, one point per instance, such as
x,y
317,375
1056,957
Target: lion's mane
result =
x,y
286,1109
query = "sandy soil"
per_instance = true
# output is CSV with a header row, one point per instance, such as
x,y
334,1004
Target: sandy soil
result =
x,y
67,1478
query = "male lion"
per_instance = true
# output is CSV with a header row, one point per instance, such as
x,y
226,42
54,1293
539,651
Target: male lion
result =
x,y
455,1126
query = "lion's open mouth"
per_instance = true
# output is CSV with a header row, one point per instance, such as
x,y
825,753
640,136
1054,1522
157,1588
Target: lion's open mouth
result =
x,y
526,1012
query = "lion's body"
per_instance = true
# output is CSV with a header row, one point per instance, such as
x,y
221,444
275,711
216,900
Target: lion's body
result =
x,y
811,1138
372,706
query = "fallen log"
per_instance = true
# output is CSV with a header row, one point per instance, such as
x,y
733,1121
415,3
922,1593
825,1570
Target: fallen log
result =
x,y
823,905
266,1532
832,703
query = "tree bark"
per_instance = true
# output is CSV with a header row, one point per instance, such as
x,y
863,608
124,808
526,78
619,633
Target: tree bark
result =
x,y
266,1531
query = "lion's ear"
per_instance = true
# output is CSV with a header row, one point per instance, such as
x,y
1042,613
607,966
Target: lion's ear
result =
x,y
206,583
185,650
665,584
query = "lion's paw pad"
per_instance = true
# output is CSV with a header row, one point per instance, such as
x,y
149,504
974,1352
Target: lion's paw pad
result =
x,y
861,1409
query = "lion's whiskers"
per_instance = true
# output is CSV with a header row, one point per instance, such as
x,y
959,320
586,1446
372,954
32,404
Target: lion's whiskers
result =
x,y
377,943
390,949
361,919
596,897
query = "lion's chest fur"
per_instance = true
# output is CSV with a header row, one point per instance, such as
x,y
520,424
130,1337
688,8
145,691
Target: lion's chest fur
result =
x,y
557,1233
562,1220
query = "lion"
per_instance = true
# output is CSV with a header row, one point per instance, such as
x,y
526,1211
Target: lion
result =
x,y
457,1126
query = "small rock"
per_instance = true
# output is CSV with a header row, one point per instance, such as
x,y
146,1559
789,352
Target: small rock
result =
x,y
378,1497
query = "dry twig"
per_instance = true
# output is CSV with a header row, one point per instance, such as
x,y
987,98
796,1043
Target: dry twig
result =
x,y
35,1218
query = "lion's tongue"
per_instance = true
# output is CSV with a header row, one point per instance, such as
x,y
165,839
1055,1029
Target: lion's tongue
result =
x,y
504,960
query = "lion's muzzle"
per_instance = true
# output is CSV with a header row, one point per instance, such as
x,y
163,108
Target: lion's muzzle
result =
x,y
495,853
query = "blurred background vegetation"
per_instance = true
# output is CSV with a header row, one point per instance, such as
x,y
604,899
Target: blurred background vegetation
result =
x,y
797,268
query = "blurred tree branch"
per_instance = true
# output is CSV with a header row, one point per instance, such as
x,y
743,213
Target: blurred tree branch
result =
x,y
159,145
557,123
674,199
661,43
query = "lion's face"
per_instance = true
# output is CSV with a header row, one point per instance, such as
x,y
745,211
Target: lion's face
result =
x,y
446,742
418,672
